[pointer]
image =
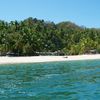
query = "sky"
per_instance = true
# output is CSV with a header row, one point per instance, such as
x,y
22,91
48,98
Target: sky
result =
x,y
82,12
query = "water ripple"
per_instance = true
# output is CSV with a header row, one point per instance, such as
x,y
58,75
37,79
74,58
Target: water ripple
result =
x,y
73,80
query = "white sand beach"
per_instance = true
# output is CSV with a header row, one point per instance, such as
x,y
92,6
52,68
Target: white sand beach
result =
x,y
35,59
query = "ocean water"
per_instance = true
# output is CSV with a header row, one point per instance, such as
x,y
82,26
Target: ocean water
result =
x,y
71,80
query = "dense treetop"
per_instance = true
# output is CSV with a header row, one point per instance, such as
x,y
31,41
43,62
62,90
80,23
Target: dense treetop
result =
x,y
32,35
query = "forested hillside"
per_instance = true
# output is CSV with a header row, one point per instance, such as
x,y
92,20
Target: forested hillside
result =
x,y
32,35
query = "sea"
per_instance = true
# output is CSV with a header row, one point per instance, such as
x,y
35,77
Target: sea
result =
x,y
68,80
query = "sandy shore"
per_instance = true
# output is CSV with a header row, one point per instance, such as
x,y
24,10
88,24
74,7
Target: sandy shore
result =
x,y
35,59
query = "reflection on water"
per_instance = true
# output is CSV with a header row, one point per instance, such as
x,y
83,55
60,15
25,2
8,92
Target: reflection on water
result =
x,y
73,80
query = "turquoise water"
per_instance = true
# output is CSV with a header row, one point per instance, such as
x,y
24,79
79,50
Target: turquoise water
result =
x,y
73,80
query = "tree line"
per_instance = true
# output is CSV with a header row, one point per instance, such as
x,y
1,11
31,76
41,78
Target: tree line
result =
x,y
33,35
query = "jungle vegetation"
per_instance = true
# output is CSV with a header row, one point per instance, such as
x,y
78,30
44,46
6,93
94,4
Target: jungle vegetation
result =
x,y
34,35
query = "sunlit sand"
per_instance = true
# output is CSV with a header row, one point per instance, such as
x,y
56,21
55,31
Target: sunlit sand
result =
x,y
36,59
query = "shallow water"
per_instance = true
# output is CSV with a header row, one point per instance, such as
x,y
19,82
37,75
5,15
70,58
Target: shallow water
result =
x,y
72,80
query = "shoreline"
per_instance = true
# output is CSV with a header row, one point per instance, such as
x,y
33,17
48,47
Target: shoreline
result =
x,y
37,59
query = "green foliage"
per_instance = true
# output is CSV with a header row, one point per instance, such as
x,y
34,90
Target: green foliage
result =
x,y
32,35
98,48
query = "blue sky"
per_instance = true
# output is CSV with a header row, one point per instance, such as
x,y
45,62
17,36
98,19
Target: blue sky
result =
x,y
81,12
